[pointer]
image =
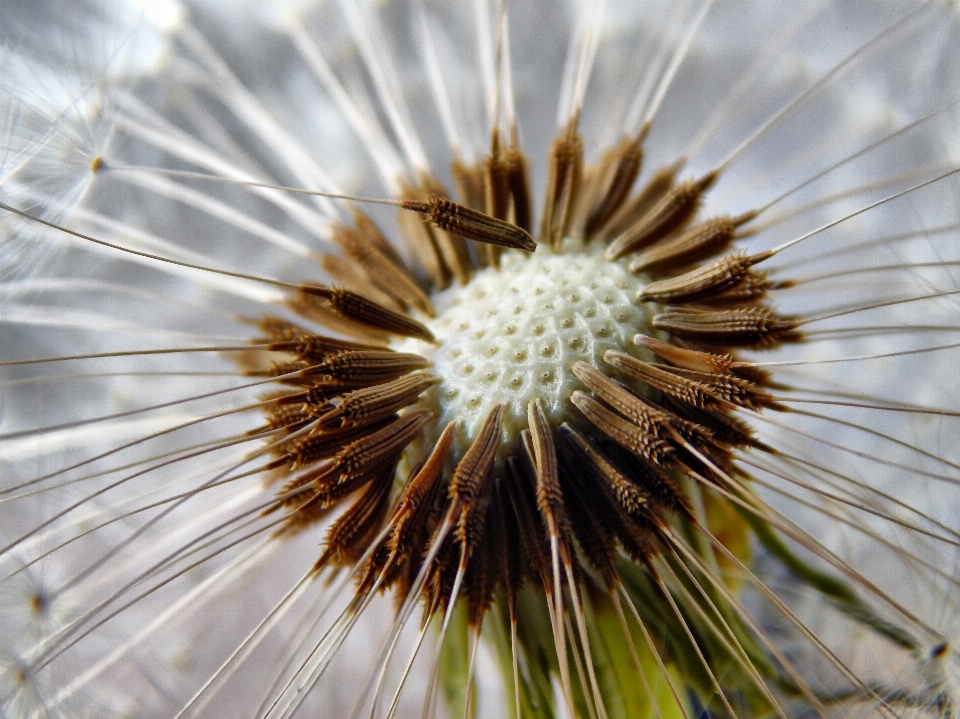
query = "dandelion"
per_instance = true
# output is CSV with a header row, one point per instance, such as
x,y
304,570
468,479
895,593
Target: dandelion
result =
x,y
604,350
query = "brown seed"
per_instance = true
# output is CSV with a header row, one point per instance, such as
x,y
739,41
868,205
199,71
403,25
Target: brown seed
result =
x,y
471,523
365,312
703,240
293,371
471,476
616,173
306,401
510,555
655,435
699,389
472,225
357,459
484,571
472,468
288,417
631,497
520,486
518,183
543,453
716,278
506,184
418,488
348,537
725,428
410,518
636,207
690,359
736,389
663,492
752,288
689,391
648,442
369,366
588,486
593,518
318,446
318,347
496,189
673,209
642,412
625,402
469,183
302,373
741,327
564,177
317,309
371,403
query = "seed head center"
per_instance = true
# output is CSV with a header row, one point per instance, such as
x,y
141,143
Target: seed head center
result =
x,y
514,333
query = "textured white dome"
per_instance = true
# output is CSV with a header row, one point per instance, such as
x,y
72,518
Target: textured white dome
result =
x,y
514,334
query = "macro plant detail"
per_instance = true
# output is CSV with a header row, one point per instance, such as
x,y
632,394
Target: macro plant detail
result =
x,y
647,411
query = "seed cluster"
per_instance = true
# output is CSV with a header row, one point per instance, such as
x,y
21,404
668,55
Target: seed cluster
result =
x,y
540,419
